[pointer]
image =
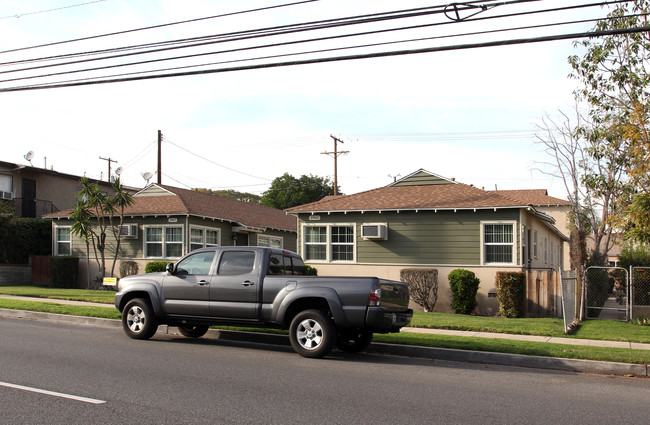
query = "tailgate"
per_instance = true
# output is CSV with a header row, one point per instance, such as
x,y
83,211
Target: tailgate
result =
x,y
394,295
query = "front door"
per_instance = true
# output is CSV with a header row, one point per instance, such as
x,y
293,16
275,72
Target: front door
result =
x,y
187,291
234,291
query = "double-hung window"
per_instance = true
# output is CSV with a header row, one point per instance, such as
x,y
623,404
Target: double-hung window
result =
x,y
498,242
203,237
163,241
329,243
63,241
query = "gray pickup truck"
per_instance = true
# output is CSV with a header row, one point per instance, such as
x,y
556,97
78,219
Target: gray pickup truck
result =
x,y
263,287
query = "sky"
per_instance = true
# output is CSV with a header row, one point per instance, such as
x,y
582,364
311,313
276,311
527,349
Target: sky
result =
x,y
469,114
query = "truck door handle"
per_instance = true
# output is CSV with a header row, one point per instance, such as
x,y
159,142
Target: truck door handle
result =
x,y
203,282
247,283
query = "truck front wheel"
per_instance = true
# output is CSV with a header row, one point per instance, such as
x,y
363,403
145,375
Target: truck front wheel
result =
x,y
312,334
138,320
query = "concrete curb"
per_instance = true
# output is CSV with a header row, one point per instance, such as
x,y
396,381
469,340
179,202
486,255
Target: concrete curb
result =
x,y
432,353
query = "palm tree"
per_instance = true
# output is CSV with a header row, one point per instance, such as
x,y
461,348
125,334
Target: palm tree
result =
x,y
83,227
121,199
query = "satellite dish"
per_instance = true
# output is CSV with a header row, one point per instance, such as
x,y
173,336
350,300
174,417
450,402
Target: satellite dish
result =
x,y
147,176
119,170
29,156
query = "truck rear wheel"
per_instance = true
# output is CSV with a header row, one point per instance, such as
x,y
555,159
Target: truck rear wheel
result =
x,y
353,340
312,334
138,320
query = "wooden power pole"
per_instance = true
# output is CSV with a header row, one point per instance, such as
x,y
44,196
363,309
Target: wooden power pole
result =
x,y
335,154
159,157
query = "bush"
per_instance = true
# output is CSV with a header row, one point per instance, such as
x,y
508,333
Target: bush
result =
x,y
423,286
464,287
156,266
128,268
64,271
511,293
22,237
311,271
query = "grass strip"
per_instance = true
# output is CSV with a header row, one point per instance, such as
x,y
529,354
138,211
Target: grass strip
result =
x,y
73,310
87,295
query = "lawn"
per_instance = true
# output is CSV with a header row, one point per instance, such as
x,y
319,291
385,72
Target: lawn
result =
x,y
592,329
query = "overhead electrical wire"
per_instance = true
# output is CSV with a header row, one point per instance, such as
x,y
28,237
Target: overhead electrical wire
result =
x,y
290,29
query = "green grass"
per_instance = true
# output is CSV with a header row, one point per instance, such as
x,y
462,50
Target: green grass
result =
x,y
592,329
88,295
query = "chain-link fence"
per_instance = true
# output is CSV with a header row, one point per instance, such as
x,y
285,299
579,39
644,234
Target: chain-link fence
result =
x,y
606,290
640,293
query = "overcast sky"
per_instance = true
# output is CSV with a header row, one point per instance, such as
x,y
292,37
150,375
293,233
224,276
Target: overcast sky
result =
x,y
469,114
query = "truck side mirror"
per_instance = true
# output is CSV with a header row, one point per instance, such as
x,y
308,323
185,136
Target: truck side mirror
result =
x,y
170,268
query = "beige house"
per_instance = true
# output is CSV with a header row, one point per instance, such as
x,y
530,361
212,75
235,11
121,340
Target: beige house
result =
x,y
426,220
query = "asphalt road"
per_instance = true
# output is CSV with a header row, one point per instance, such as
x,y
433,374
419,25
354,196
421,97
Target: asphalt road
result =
x,y
100,376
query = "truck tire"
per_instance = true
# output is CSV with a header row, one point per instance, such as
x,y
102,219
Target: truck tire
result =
x,y
353,340
312,334
138,319
193,331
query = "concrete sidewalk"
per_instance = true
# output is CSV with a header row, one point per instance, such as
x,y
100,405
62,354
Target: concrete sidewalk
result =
x,y
540,362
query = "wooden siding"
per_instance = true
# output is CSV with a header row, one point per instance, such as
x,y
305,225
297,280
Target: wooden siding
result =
x,y
424,237
422,178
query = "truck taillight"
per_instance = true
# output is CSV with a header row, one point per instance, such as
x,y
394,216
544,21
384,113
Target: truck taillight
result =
x,y
375,296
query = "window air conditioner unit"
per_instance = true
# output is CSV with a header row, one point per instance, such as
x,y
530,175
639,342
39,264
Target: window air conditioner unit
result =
x,y
374,231
129,230
7,195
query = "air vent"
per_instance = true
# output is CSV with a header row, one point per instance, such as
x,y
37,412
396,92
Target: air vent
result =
x,y
374,231
129,230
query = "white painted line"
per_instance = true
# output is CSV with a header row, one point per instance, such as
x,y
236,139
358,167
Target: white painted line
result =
x,y
52,393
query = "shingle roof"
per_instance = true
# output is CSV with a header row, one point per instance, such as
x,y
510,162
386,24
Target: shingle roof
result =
x,y
533,197
168,200
439,196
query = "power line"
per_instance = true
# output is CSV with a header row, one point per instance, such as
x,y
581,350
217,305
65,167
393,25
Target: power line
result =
x,y
108,80
20,15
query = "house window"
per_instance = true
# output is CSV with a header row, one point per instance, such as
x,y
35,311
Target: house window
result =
x,y
164,242
498,243
63,241
270,241
329,243
535,244
202,238
342,243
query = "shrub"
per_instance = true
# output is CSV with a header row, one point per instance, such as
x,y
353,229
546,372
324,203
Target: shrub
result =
x,y
128,268
511,293
423,286
464,287
64,271
22,237
311,271
156,266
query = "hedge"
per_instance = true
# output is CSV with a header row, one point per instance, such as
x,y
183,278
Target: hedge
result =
x,y
511,293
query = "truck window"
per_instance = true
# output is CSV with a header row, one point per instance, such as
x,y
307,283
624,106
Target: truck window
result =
x,y
233,263
195,264
276,265
298,266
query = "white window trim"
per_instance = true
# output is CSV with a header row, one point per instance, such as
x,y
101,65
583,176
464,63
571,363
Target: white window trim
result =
x,y
203,238
270,237
328,244
56,240
514,242
164,251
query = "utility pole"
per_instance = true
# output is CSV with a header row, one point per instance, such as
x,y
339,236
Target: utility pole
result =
x,y
335,154
159,157
108,178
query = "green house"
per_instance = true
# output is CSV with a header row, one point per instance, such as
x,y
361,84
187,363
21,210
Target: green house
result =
x,y
166,223
425,220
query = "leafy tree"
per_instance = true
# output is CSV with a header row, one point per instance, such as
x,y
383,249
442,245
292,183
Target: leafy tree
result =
x,y
615,80
233,194
287,191
105,209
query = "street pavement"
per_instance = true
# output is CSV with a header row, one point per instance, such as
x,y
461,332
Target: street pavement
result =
x,y
586,366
